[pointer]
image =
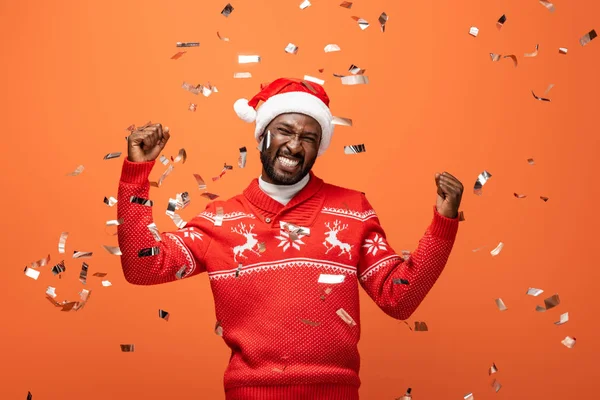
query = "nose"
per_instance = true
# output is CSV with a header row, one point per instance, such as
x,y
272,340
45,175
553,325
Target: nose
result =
x,y
294,145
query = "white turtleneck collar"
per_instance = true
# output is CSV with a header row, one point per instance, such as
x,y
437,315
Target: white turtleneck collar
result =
x,y
282,193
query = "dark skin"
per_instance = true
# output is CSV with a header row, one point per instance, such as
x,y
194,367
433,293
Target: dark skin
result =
x,y
296,137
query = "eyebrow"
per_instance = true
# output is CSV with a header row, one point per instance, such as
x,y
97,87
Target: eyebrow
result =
x,y
291,127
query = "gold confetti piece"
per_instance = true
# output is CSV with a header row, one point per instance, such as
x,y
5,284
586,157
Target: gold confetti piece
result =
x,y
544,198
83,273
514,58
192,107
501,21
548,5
163,314
551,301
461,216
500,304
242,75
550,86
497,250
568,342
531,161
181,272
32,273
127,348
539,98
248,59
354,149
149,252
178,55
355,80
154,230
223,38
421,326
100,274
346,4
219,217
383,18
354,70
200,182
114,222
563,50
162,177
114,250
187,44
291,48
309,87
481,180
341,121
304,4
82,254
363,24
330,48
51,291
110,201
496,385
563,318
112,155
345,317
520,196
331,279
77,171
210,196
495,57
242,157
59,268
183,200
307,322
106,283
493,369
588,37
313,79
182,155
474,31
534,53
469,396
218,329
40,263
534,292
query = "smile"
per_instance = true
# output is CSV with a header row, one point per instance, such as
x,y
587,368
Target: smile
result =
x,y
287,162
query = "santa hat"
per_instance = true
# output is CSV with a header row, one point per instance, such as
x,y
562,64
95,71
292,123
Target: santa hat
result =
x,y
288,96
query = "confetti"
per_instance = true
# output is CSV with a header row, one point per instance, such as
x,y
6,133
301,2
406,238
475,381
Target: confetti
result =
x,y
83,273
481,180
400,281
192,89
149,252
514,58
291,48
495,57
550,86
59,268
223,171
562,319
407,395
112,155
182,155
496,385
345,317
183,200
551,301
223,38
162,177
227,10
354,149
469,396
330,48
474,31
219,217
307,322
242,157
355,70
114,222
501,21
32,273
461,216
110,201
82,254
544,198
568,342
163,314
363,24
141,201
242,75
539,98
51,291
548,5
106,283
562,50
355,80
421,326
114,250
181,272
588,37
346,4
309,86
531,161
178,55
497,250
40,263
304,4
187,44
238,270
262,247
100,274
200,182
519,196
154,231
218,329
383,18
127,348
534,292
493,369
500,304
314,80
193,107
248,59
341,121
331,279
534,53
29,396
77,171
210,196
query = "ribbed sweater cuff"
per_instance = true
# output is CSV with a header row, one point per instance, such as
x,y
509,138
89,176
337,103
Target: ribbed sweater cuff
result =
x,y
136,173
443,227
325,391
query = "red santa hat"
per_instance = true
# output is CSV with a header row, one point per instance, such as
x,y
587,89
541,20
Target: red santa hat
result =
x,y
288,96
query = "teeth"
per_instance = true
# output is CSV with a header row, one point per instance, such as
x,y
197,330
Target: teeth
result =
x,y
287,162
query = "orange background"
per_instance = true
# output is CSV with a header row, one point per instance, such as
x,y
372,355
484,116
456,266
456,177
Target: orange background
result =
x,y
76,74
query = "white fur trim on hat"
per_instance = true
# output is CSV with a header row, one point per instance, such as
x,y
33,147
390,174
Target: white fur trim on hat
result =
x,y
244,111
296,102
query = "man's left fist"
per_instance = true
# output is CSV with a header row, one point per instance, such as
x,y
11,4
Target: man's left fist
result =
x,y
449,190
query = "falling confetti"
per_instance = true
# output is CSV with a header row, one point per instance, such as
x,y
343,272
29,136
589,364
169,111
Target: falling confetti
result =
x,y
223,171
210,196
314,80
501,21
493,369
534,292
539,98
106,283
127,348
187,44
544,198
354,70
383,18
534,53
82,254
40,263
100,274
248,59
227,10
548,5
141,201
59,268
83,273
182,155
178,55
363,24
520,196
242,75
110,156
495,57
330,48
512,57
162,177
481,180
568,342
562,319
223,38
550,86
192,107
32,273
291,48
304,4
500,304
77,171
200,182
346,4
242,157
181,272
562,50
219,217
531,161
496,385
345,317
421,326
497,250
163,314
474,31
354,149
114,250
218,329
110,201
469,396
341,121
355,80
331,279
588,37
149,252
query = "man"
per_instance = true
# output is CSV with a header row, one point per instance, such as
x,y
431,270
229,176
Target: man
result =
x,y
285,258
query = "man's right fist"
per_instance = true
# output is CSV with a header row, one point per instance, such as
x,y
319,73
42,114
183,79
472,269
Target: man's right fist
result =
x,y
146,142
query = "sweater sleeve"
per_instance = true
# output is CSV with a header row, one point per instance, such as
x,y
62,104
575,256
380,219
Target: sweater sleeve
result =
x,y
397,285
144,259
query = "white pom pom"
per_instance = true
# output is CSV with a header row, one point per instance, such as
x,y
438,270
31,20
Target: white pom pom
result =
x,y
244,111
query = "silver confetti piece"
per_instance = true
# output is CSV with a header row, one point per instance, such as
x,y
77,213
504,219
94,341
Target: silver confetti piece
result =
x,y
178,221
114,222
77,171
496,385
355,149
314,80
550,86
51,291
219,217
421,326
304,4
563,50
497,250
210,196
363,24
291,48
181,272
481,180
588,37
141,201
83,273
200,182
539,98
183,200
354,70
346,4
127,348
562,319
32,273
218,329
331,279
248,59
242,75
519,196
194,90
383,18
106,283
100,274
40,263
355,80
192,107
548,5
162,177
341,121
500,304
112,155
493,369
163,314
223,38
227,10
187,44
242,157
345,317
59,268
330,48
82,254
495,57
114,250
501,21
154,231
468,396
474,31
182,155
149,252
110,201
534,53
568,342
530,161
534,292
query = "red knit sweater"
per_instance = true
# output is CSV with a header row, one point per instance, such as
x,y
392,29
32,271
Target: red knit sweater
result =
x,y
286,299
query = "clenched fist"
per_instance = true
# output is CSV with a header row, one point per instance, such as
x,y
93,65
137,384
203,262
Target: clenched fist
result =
x,y
146,142
449,194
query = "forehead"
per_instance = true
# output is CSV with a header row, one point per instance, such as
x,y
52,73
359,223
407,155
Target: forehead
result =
x,y
298,121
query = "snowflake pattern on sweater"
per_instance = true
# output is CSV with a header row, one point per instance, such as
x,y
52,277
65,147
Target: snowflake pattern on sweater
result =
x,y
264,262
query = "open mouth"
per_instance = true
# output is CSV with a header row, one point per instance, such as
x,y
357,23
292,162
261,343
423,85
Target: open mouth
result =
x,y
288,164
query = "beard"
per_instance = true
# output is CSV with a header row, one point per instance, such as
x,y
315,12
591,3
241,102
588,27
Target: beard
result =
x,y
279,178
